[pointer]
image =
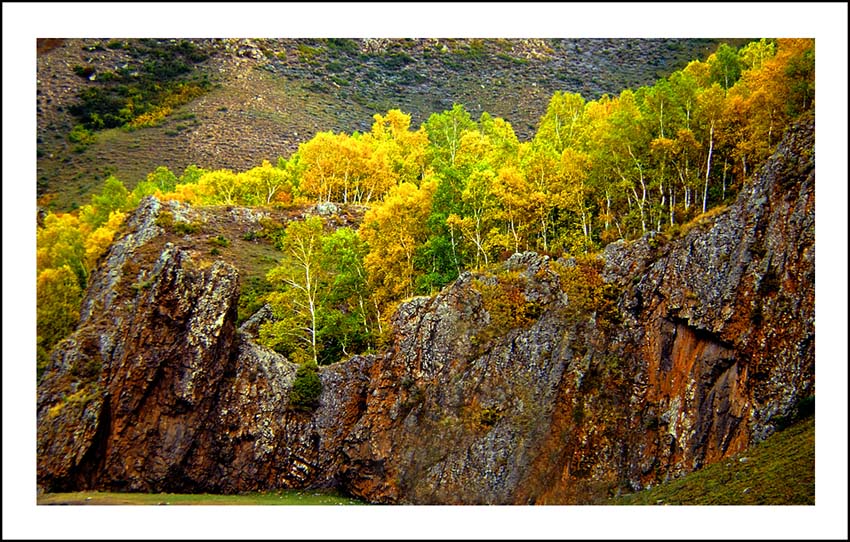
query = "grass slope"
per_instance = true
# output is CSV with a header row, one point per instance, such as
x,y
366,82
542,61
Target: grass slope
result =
x,y
778,471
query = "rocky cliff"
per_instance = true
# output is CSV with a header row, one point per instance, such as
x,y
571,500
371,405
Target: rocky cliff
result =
x,y
552,381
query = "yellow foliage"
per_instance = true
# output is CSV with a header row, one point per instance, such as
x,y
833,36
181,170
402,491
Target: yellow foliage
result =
x,y
151,118
393,229
506,303
192,193
589,297
265,184
404,150
60,242
101,238
58,297
221,186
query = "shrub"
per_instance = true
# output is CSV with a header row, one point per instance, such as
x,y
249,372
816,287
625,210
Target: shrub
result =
x,y
342,44
335,67
83,71
165,220
186,228
81,136
143,91
220,240
588,295
802,409
489,416
306,388
506,303
252,297
507,306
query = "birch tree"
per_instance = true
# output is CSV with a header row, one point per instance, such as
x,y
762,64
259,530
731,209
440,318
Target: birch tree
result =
x,y
301,283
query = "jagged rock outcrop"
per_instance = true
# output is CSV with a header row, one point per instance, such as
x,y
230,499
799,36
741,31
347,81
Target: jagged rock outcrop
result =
x,y
552,382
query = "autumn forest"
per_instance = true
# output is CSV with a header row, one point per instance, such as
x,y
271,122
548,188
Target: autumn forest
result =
x,y
457,193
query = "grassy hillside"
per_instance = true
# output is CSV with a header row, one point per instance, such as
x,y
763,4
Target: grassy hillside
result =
x,y
268,95
778,471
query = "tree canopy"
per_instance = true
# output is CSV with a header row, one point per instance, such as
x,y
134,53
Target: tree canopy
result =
x,y
457,194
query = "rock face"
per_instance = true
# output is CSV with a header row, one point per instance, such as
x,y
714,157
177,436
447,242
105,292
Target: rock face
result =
x,y
553,382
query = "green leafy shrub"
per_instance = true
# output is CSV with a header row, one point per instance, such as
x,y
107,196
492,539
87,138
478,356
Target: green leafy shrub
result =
x,y
187,228
342,44
165,220
306,388
143,91
82,137
252,297
83,71
335,66
308,53
221,241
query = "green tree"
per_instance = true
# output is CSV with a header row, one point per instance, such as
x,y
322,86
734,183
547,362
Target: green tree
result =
x,y
347,318
112,197
301,284
710,110
800,71
320,299
480,209
560,125
192,174
163,179
756,53
627,144
440,258
725,66
444,133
